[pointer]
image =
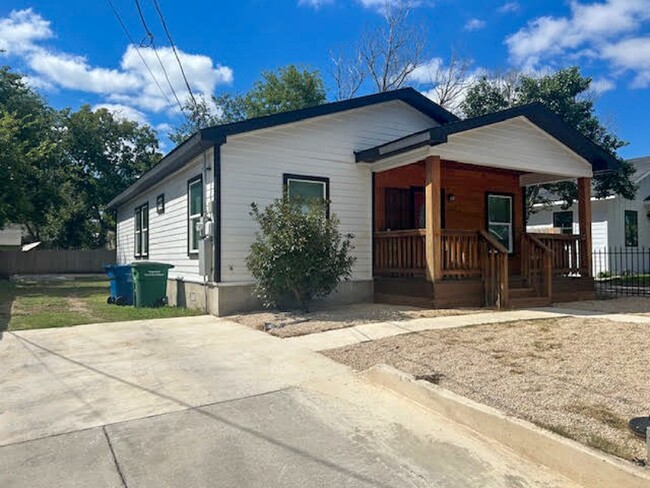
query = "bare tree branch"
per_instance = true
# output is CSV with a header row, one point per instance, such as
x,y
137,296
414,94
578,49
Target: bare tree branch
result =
x,y
390,53
451,81
348,76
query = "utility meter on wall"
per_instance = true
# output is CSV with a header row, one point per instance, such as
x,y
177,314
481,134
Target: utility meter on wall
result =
x,y
205,227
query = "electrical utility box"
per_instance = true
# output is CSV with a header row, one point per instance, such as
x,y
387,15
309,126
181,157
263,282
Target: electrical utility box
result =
x,y
205,256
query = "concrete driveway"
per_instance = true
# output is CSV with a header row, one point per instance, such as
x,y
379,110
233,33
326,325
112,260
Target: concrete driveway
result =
x,y
205,402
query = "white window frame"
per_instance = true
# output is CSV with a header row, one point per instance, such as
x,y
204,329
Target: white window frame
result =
x,y
510,224
141,235
193,219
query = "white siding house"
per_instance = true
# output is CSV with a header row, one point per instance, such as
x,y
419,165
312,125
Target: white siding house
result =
x,y
608,224
322,147
251,166
216,174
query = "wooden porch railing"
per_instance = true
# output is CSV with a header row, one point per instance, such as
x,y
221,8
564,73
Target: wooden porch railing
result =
x,y
461,256
494,271
536,265
565,250
464,254
472,254
400,253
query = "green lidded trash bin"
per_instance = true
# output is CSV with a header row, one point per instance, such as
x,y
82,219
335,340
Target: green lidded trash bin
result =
x,y
150,283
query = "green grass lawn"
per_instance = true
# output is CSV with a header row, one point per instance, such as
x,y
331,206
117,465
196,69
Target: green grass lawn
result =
x,y
62,303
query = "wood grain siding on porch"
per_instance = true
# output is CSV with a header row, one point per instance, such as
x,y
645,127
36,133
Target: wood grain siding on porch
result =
x,y
465,187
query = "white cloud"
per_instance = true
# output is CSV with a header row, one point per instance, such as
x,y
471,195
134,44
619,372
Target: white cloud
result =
x,y
590,30
21,30
427,72
631,55
74,72
602,85
509,7
314,3
129,86
123,112
474,24
382,5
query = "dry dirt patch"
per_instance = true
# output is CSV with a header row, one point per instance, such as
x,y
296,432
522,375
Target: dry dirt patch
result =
x,y
580,377
295,323
633,305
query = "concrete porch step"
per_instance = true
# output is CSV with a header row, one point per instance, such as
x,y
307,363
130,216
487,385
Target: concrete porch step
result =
x,y
413,301
529,302
522,292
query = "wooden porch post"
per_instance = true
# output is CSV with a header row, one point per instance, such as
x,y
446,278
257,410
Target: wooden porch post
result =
x,y
584,220
433,241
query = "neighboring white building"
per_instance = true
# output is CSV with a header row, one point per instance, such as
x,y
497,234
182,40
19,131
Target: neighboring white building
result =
x,y
333,150
618,225
11,237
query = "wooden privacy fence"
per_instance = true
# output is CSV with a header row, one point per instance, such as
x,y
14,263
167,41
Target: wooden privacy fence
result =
x,y
55,261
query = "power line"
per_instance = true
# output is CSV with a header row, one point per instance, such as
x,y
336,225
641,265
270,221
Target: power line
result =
x,y
144,61
171,42
152,43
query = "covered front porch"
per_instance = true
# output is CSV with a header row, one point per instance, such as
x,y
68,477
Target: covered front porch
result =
x,y
453,234
449,217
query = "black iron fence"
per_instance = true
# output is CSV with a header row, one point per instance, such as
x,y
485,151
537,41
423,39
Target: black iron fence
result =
x,y
622,271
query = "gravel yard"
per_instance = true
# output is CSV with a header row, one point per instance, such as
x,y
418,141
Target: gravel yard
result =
x,y
634,305
295,323
580,377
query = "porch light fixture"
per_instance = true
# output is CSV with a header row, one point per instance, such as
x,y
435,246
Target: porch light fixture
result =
x,y
451,197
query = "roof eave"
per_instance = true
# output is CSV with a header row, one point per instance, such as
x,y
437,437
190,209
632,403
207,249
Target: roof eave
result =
x,y
169,164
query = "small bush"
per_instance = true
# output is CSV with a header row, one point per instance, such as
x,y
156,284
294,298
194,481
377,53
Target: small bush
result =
x,y
299,253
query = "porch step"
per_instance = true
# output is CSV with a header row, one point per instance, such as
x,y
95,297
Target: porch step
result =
x,y
412,301
522,292
529,302
516,281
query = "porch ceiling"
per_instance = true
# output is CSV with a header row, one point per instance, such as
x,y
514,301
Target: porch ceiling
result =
x,y
529,139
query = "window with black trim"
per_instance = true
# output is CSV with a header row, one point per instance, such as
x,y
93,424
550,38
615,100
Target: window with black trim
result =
x,y
631,228
563,221
499,219
160,203
194,213
141,231
307,188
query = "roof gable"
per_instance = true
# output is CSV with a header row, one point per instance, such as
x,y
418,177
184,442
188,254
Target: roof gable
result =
x,y
536,113
211,136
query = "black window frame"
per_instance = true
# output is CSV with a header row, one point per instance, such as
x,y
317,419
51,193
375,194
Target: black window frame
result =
x,y
563,212
513,230
286,177
192,181
141,210
625,227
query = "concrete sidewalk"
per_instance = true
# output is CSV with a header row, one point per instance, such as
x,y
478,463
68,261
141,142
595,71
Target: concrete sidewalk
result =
x,y
199,401
367,332
357,334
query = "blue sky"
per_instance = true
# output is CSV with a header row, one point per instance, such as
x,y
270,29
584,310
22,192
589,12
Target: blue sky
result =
x,y
76,52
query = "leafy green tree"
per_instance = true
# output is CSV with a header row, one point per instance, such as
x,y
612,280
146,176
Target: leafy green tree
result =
x,y
29,167
565,92
298,254
288,88
103,155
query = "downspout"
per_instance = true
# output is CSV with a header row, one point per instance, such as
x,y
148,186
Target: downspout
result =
x,y
216,213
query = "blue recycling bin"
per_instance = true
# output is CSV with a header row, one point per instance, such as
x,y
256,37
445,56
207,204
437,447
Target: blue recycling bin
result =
x,y
121,284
